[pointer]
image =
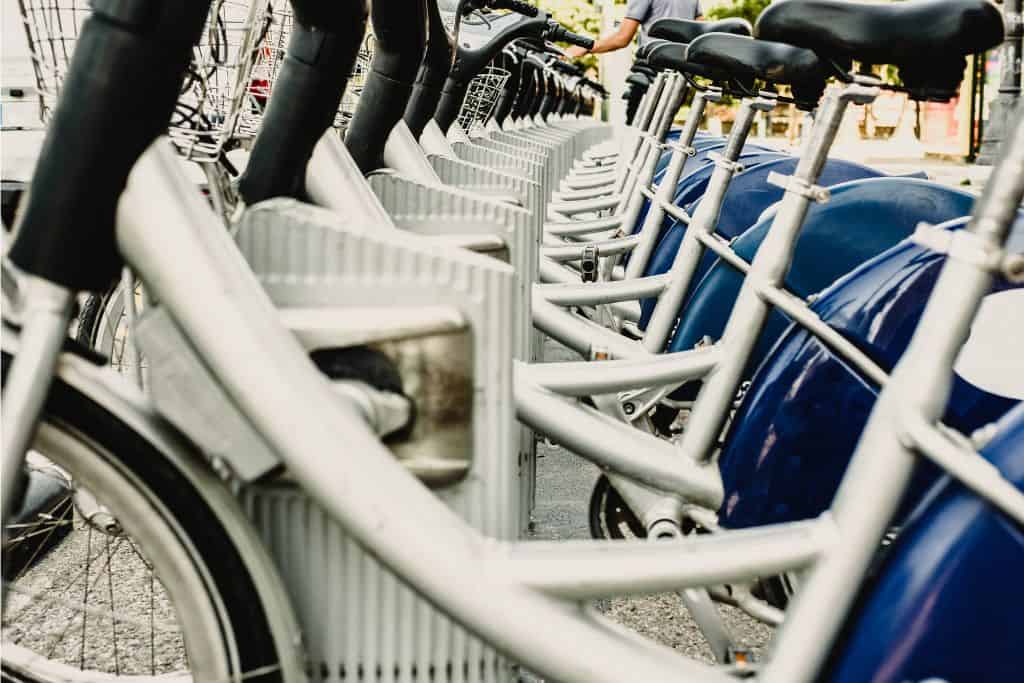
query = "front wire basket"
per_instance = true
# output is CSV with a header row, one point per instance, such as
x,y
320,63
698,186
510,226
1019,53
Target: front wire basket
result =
x,y
216,87
481,96
268,64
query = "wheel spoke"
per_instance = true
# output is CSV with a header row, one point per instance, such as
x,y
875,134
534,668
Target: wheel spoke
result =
x,y
152,617
58,595
85,596
67,587
155,625
42,544
84,606
113,618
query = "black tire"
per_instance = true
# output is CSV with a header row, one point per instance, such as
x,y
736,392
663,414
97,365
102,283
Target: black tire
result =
x,y
89,317
172,497
775,590
102,327
610,516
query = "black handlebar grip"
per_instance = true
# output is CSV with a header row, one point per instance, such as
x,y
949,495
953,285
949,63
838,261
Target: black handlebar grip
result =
x,y
561,34
517,6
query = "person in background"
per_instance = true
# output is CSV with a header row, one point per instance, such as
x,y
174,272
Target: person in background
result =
x,y
640,14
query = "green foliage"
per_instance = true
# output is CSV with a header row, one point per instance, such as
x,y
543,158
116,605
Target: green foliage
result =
x,y
747,9
579,16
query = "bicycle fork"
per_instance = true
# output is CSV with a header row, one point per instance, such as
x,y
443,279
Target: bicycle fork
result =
x,y
43,310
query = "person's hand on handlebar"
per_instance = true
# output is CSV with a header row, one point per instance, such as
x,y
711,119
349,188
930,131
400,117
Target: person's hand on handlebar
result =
x,y
579,45
575,52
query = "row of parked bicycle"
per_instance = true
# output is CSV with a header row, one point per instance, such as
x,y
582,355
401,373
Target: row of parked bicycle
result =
x,y
290,405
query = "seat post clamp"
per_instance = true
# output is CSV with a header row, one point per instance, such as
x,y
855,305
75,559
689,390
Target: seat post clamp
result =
x,y
588,263
722,162
766,100
968,247
791,183
682,149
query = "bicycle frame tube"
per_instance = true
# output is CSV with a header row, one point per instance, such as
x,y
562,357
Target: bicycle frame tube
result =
x,y
768,269
334,181
704,220
673,101
673,286
722,365
404,154
304,419
666,190
671,290
185,258
45,313
908,409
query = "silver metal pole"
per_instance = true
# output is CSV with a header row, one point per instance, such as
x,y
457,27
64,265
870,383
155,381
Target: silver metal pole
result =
x,y
769,268
883,462
44,326
666,312
589,569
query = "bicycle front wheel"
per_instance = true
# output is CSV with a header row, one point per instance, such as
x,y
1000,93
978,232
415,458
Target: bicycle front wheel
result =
x,y
143,580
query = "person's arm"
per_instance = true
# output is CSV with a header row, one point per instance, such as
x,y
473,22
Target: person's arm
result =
x,y
636,11
611,42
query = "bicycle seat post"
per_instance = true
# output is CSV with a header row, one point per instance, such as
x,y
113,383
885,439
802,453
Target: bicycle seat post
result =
x,y
703,223
768,270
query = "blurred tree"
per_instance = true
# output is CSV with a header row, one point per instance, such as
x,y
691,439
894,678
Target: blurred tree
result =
x,y
579,16
747,9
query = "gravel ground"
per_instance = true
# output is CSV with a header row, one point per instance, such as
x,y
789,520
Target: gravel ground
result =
x,y
113,634
564,482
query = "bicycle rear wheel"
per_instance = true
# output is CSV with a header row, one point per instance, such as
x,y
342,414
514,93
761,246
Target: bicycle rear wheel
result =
x,y
102,325
147,581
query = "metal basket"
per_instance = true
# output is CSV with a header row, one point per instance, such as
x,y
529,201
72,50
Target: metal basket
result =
x,y
268,64
481,96
215,88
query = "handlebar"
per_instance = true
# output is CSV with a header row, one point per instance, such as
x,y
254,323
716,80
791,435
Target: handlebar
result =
x,y
567,68
558,33
517,6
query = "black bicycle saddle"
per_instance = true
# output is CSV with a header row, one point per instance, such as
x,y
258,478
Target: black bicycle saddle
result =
x,y
645,49
744,57
639,79
644,68
927,40
669,55
684,31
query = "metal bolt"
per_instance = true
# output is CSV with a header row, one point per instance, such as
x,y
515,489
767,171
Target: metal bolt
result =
x,y
628,408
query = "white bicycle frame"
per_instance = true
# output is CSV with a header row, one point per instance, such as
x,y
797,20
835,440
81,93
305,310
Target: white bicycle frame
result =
x,y
621,297
515,595
517,586
626,389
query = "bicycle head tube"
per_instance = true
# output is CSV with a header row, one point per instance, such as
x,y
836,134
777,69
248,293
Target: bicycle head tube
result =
x,y
470,60
400,30
437,60
117,98
321,53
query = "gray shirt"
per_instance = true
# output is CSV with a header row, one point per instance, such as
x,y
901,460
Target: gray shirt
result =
x,y
649,11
